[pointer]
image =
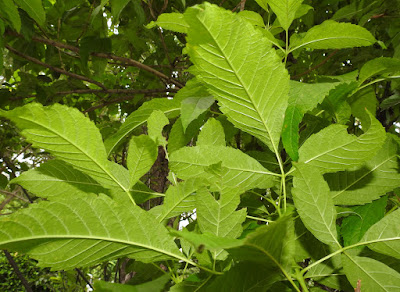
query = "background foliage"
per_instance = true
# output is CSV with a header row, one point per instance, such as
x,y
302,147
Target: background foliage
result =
x,y
298,106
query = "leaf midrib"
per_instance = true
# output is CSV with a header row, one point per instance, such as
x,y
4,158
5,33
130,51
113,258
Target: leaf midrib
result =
x,y
328,38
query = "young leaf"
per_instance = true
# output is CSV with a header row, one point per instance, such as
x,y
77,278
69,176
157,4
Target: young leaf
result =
x,y
142,154
374,275
93,229
155,124
34,8
212,133
220,217
355,225
285,11
372,180
252,88
171,21
378,66
242,170
179,198
303,97
386,233
271,245
55,178
171,108
68,135
337,150
334,35
193,107
314,203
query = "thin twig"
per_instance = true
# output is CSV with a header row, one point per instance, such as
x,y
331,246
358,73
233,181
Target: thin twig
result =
x,y
17,271
127,61
316,66
59,70
14,195
83,277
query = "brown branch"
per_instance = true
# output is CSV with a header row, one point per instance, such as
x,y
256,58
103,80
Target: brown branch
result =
x,y
127,61
120,99
59,70
316,66
17,271
14,195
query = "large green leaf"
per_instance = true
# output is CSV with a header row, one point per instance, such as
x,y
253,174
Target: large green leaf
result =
x,y
386,233
314,203
303,97
155,125
375,276
240,169
285,10
81,231
251,84
334,35
68,135
55,178
372,180
337,150
34,8
193,107
356,224
156,285
142,154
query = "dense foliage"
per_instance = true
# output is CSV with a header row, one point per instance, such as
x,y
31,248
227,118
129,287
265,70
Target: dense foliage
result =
x,y
188,146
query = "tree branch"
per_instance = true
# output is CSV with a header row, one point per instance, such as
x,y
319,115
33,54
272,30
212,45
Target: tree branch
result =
x,y
59,70
127,61
17,271
316,66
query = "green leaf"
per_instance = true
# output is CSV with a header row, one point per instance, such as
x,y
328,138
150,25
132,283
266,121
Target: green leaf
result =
x,y
303,97
116,7
220,217
68,135
179,138
337,150
55,178
263,4
10,11
244,276
337,97
212,133
193,107
361,185
155,124
231,75
361,100
171,108
314,203
93,229
34,9
334,35
374,275
325,274
242,170
156,285
285,11
253,17
378,66
356,225
270,245
179,198
141,193
171,21
142,154
386,235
